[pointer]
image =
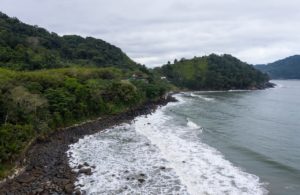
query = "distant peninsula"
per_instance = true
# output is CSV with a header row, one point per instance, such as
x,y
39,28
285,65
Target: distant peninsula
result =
x,y
288,68
213,72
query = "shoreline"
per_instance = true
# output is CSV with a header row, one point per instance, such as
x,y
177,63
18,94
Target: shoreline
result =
x,y
47,170
44,168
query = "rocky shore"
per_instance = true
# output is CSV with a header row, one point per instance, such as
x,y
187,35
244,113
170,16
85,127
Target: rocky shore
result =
x,y
46,168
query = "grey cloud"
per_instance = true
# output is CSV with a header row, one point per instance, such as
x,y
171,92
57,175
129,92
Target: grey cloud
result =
x,y
154,32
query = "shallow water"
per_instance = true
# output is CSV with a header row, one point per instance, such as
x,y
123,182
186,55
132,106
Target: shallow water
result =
x,y
237,142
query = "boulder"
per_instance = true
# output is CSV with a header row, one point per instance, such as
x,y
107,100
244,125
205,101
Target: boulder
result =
x,y
69,188
86,164
87,171
26,178
141,180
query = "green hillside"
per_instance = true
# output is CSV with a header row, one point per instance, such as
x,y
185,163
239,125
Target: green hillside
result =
x,y
35,103
288,68
48,82
27,47
213,72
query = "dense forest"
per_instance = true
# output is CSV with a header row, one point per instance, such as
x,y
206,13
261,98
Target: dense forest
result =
x,y
26,47
288,68
213,72
48,82
35,103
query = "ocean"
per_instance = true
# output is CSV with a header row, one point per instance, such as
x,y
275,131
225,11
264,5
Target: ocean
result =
x,y
225,142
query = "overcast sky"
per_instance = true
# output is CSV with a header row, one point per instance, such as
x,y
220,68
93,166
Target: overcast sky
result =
x,y
155,31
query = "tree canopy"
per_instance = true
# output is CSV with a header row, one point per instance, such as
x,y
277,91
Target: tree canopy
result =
x,y
213,72
27,47
34,103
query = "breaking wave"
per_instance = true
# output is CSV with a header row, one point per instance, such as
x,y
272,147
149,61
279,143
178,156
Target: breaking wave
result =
x,y
151,156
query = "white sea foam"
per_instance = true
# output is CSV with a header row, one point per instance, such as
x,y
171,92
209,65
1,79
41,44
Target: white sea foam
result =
x,y
125,163
222,91
239,90
200,167
201,97
278,85
192,125
171,163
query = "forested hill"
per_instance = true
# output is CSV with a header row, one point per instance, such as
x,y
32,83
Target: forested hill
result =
x,y
48,82
26,47
288,68
213,72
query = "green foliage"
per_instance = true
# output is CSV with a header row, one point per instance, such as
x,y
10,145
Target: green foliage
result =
x,y
34,102
123,93
13,138
26,47
288,68
48,82
213,73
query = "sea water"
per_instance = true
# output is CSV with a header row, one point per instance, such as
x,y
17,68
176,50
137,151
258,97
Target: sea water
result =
x,y
230,142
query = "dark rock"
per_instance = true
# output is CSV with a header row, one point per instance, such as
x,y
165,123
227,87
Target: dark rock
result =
x,y
69,188
26,178
77,192
162,168
38,191
269,85
79,166
86,164
29,168
45,193
141,180
62,181
87,171
37,172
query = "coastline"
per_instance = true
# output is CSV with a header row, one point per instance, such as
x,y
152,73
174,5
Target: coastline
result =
x,y
47,170
44,168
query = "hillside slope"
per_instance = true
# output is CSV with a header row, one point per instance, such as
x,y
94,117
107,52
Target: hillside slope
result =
x,y
213,72
27,47
288,68
48,82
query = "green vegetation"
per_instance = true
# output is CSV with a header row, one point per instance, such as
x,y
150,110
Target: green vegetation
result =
x,y
26,47
288,68
213,72
48,82
35,103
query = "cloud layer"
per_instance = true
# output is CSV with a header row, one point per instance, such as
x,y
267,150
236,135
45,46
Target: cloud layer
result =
x,y
154,32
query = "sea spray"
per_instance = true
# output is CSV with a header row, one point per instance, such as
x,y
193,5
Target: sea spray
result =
x,y
153,156
200,167
201,97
